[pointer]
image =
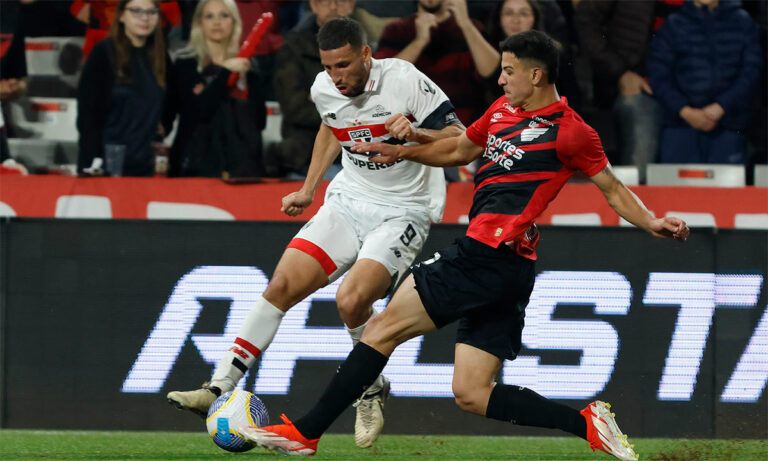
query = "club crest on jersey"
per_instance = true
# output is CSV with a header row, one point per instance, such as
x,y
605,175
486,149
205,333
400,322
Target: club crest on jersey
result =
x,y
496,117
361,135
532,132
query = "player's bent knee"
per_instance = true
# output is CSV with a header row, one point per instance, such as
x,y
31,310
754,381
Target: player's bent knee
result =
x,y
350,302
280,290
469,402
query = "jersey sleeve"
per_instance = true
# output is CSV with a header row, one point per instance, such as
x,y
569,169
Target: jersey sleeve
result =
x,y
579,148
428,104
478,131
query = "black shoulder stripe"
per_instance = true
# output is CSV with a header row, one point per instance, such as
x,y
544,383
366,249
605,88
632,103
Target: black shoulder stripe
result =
x,y
437,119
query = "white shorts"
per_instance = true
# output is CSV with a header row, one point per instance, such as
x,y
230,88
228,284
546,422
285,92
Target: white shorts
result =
x,y
346,229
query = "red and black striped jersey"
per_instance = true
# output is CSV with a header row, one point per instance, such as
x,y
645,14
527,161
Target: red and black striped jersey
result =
x,y
528,158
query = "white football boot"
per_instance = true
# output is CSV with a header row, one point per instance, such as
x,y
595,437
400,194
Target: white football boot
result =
x,y
197,401
369,420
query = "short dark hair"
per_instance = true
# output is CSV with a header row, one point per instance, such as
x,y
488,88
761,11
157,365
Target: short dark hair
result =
x,y
535,45
336,33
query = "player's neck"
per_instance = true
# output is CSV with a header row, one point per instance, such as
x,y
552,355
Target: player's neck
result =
x,y
541,97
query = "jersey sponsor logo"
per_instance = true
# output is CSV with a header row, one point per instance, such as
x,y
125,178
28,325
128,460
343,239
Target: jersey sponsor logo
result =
x,y
542,120
361,135
496,117
509,107
426,87
502,152
380,111
368,165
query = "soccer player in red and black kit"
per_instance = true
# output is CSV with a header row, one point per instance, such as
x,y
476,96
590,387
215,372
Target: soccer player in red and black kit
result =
x,y
528,143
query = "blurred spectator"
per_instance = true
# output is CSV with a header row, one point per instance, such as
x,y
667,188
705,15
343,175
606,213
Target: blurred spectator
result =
x,y
100,14
511,17
448,46
757,135
13,69
297,64
219,133
250,12
704,64
615,36
121,92
46,18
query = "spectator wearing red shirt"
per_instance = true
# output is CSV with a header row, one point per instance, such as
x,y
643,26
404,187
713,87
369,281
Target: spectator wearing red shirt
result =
x,y
448,46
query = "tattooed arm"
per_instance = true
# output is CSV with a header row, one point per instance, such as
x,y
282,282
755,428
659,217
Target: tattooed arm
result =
x,y
631,208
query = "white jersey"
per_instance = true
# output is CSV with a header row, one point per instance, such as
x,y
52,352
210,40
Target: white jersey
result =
x,y
394,86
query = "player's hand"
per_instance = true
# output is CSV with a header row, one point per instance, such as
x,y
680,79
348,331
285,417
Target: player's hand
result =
x,y
460,13
424,24
400,127
296,202
239,65
670,227
380,152
698,119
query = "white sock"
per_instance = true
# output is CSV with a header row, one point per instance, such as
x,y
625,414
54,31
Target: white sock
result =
x,y
357,332
254,336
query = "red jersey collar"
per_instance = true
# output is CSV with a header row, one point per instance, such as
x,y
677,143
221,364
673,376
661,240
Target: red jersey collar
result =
x,y
554,107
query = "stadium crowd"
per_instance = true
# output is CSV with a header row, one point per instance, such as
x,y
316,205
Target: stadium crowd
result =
x,y
662,81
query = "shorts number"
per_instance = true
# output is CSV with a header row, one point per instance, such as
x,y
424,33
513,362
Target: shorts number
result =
x,y
408,235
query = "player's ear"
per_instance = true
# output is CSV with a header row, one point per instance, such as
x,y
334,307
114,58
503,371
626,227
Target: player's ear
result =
x,y
367,53
537,75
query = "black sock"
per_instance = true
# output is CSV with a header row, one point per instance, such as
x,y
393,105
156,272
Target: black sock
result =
x,y
524,407
362,367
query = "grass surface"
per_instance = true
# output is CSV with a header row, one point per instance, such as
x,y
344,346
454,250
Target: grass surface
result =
x,y
88,445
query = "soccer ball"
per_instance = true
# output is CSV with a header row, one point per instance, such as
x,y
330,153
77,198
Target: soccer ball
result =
x,y
232,411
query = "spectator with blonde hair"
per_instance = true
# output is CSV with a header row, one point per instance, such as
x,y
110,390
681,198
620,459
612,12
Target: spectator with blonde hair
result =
x,y
220,126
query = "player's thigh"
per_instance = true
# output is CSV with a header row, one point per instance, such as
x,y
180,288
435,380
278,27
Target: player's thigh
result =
x,y
395,242
403,319
330,238
296,276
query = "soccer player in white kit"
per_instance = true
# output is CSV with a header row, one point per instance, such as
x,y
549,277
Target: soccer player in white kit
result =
x,y
375,217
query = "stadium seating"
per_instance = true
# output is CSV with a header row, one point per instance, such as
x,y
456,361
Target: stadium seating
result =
x,y
761,175
696,175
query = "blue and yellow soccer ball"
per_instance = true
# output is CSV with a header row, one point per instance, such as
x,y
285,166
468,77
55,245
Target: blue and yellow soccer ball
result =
x,y
232,411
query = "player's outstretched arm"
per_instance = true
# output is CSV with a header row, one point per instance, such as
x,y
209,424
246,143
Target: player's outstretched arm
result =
x,y
631,208
400,127
324,152
456,150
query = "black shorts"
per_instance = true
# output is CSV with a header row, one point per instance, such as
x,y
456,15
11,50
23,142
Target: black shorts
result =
x,y
485,288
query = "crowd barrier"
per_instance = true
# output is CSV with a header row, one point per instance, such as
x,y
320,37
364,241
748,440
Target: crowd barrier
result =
x,y
101,318
202,198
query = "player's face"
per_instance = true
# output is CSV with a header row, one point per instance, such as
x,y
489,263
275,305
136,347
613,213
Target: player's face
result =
x,y
217,22
325,10
516,16
348,68
516,79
